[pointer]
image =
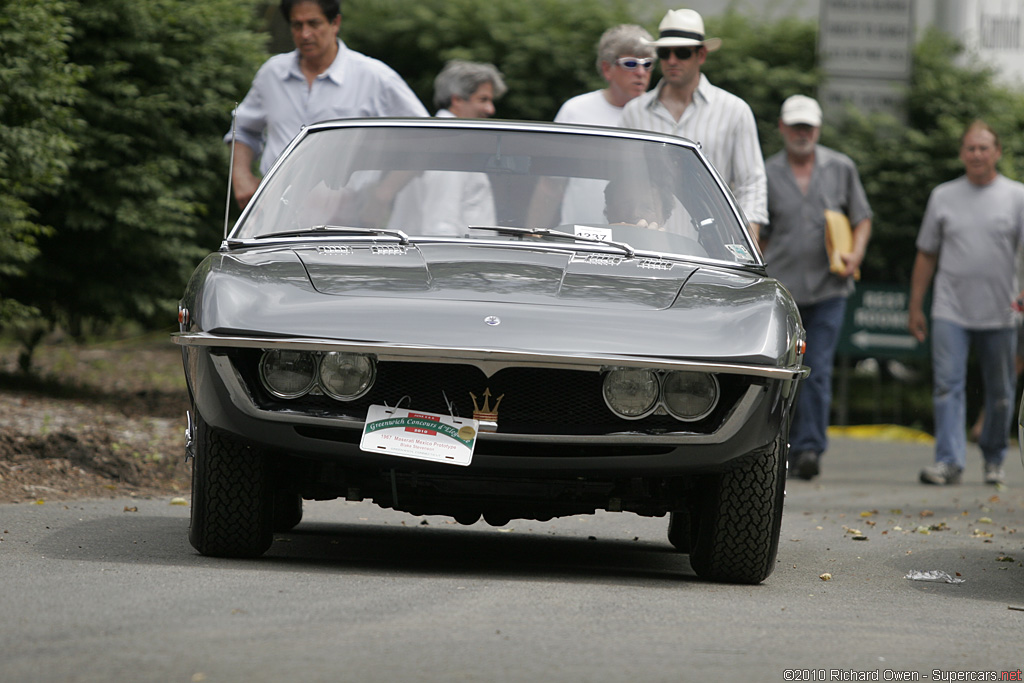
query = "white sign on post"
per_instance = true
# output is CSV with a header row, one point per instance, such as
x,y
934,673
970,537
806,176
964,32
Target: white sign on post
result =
x,y
866,49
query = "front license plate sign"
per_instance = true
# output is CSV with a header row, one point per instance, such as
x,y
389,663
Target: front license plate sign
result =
x,y
423,436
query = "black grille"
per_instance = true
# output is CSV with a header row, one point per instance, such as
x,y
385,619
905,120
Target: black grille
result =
x,y
533,400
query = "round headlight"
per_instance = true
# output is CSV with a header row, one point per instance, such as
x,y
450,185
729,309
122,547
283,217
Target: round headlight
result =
x,y
346,376
631,394
287,374
690,396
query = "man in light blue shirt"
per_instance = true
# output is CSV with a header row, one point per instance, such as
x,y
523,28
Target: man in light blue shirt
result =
x,y
321,79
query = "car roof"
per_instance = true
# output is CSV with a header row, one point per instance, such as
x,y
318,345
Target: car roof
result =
x,y
503,124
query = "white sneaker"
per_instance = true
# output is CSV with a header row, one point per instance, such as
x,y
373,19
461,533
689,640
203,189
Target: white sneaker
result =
x,y
994,474
941,474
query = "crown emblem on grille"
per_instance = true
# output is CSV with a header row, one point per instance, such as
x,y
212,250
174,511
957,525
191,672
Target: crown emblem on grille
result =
x,y
486,412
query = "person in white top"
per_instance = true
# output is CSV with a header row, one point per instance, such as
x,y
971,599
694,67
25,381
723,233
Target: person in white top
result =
x,y
447,202
685,103
321,79
468,90
625,59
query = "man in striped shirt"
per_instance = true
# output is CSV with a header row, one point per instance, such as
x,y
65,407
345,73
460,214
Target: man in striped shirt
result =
x,y
685,103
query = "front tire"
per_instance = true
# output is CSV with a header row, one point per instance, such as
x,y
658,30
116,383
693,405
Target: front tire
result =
x,y
287,510
738,526
680,530
231,501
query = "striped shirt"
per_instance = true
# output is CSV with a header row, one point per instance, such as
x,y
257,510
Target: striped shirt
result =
x,y
724,126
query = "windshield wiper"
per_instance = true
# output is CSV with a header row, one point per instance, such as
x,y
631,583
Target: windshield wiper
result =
x,y
318,230
548,232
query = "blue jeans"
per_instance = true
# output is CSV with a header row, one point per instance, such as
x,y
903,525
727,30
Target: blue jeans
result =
x,y
823,321
995,350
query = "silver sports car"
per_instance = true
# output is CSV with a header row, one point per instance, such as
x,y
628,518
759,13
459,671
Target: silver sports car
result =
x,y
492,319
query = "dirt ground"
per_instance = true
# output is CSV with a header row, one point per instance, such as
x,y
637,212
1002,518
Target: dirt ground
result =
x,y
95,420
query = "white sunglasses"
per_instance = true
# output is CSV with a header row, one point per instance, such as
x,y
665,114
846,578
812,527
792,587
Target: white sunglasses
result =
x,y
631,63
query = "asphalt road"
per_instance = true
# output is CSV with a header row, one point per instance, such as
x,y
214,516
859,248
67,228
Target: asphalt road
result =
x,y
99,591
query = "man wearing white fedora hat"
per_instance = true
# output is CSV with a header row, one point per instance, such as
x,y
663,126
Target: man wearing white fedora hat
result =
x,y
685,103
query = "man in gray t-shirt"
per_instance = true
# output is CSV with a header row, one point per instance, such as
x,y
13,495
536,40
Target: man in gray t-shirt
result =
x,y
972,230
804,180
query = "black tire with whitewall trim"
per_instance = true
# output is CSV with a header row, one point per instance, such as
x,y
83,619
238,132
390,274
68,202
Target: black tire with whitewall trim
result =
x,y
232,505
740,518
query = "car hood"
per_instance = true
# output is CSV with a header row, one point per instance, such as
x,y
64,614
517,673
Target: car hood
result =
x,y
494,297
483,273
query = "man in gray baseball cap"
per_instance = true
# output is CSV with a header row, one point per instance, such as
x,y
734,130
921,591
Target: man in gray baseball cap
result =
x,y
809,184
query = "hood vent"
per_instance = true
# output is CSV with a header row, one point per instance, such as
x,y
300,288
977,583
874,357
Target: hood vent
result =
x,y
654,264
602,260
334,250
388,250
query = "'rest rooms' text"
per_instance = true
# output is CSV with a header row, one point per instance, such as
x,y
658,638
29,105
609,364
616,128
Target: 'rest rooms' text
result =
x,y
818,675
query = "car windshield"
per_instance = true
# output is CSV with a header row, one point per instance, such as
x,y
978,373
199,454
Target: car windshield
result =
x,y
574,187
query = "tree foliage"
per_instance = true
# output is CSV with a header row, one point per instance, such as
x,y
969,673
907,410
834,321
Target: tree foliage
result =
x,y
129,170
37,93
901,162
764,63
140,206
545,48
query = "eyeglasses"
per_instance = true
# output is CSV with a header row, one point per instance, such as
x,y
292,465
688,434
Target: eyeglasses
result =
x,y
681,53
630,63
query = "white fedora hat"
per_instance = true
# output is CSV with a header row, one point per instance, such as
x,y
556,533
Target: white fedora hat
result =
x,y
684,27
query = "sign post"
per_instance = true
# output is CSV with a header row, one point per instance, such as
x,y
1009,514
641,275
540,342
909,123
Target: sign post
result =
x,y
866,49
875,326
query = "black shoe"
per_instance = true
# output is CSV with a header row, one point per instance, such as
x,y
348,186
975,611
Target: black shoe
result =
x,y
805,465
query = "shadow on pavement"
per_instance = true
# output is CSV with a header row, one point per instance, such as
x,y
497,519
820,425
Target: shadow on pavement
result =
x,y
415,550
